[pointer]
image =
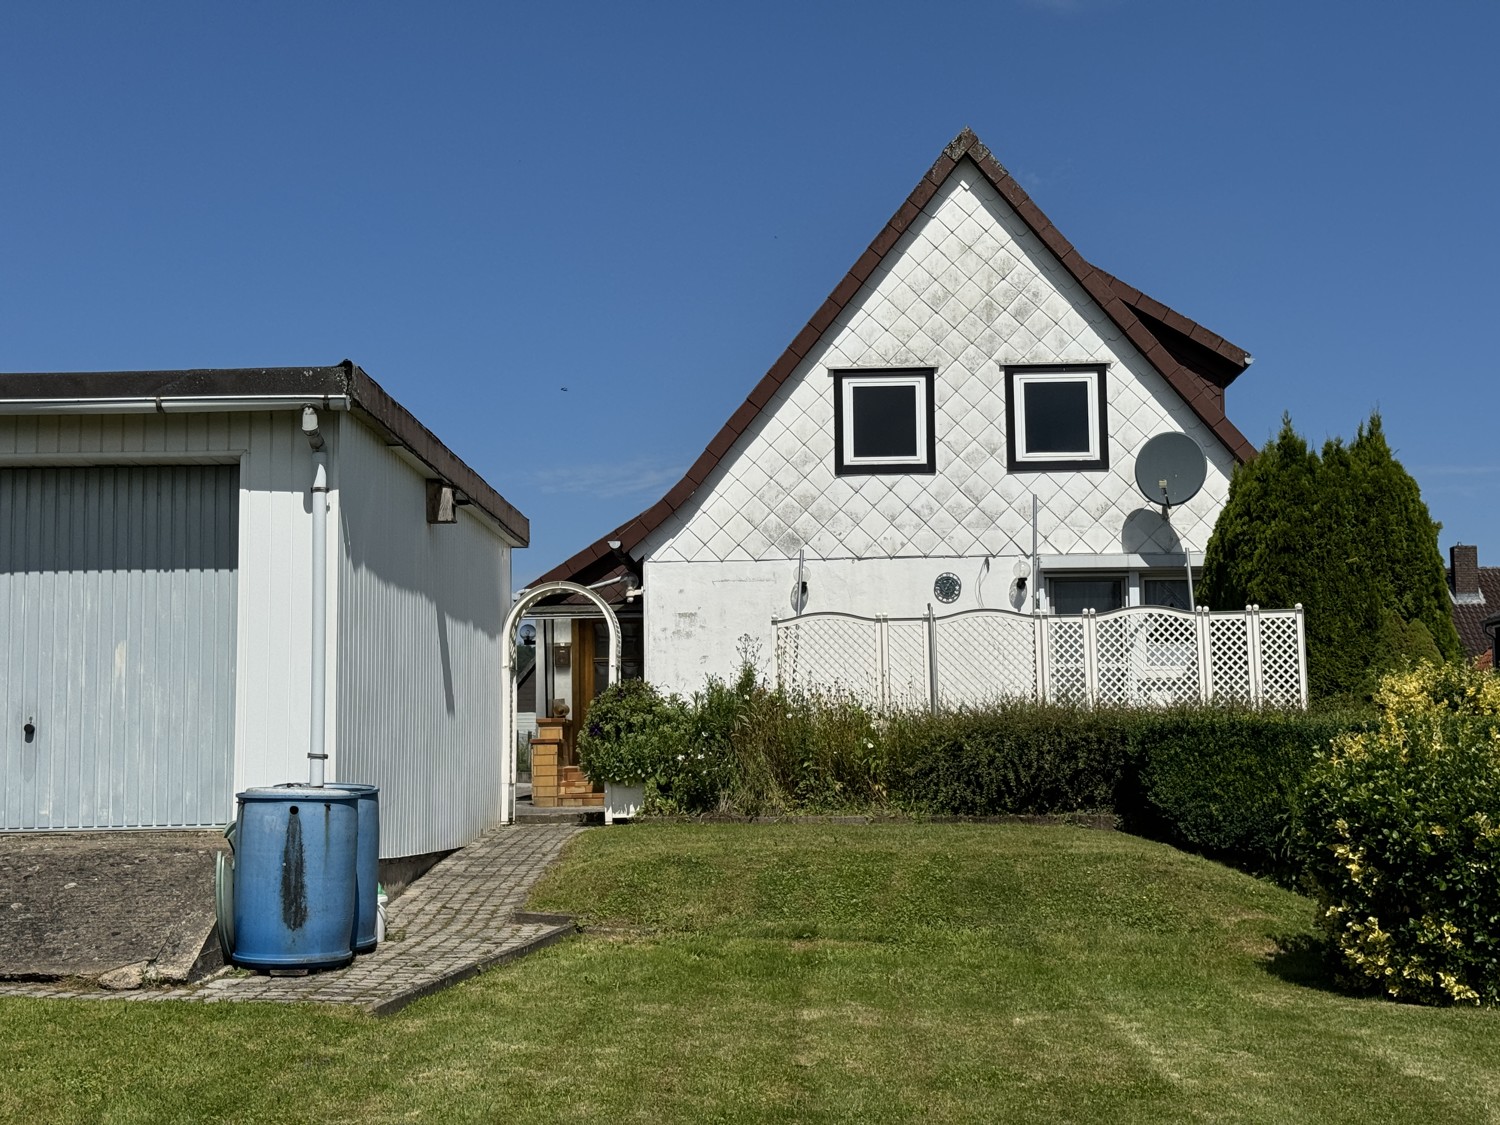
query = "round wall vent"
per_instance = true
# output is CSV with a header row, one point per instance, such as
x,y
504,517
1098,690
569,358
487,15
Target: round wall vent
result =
x,y
947,587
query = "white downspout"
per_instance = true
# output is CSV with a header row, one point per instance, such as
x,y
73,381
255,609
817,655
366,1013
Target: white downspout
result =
x,y
507,727
317,750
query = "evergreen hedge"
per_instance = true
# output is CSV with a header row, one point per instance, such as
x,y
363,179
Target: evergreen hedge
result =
x,y
1345,534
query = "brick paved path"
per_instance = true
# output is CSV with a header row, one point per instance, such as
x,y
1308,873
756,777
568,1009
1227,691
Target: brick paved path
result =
x,y
453,922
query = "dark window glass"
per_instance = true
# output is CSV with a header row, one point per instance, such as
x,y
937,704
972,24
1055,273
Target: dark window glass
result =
x,y
1057,417
632,647
1172,592
885,421
1074,595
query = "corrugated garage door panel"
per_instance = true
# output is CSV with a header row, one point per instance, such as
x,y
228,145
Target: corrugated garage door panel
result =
x,y
117,612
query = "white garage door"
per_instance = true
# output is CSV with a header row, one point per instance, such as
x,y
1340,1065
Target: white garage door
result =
x,y
117,612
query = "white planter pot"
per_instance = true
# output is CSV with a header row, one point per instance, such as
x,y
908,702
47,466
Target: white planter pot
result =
x,y
622,802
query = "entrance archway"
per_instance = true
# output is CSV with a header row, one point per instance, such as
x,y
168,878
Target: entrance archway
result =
x,y
508,673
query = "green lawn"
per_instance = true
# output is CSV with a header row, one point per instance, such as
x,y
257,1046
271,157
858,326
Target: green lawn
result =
x,y
817,973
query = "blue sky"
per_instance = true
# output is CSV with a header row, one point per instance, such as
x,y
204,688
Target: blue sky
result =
x,y
483,204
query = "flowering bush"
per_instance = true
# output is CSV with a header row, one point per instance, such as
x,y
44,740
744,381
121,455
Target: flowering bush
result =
x,y
632,733
1400,828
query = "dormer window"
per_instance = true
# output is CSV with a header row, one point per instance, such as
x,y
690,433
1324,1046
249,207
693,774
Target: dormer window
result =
x,y
1055,417
883,421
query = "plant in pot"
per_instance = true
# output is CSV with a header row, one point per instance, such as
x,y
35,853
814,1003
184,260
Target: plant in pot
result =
x,y
632,733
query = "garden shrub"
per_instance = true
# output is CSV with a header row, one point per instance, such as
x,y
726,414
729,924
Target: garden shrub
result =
x,y
1400,830
633,733
1223,781
1011,758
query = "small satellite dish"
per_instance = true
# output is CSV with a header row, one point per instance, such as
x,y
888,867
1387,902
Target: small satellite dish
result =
x,y
1170,469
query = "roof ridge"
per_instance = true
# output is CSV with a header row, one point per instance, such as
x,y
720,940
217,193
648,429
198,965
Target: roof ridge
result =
x,y
1201,395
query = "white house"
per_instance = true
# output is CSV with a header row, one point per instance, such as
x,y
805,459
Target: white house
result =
x,y
159,583
970,361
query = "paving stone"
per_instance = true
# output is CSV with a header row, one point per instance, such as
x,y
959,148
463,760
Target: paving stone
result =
x,y
455,921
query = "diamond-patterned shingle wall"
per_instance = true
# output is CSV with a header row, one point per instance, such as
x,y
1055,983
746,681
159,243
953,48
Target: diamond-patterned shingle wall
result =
x,y
968,290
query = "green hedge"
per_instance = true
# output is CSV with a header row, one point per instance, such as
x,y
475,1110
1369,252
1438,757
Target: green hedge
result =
x,y
1014,758
1224,782
1216,780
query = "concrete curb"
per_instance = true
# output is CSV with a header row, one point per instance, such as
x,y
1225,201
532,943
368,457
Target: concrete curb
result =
x,y
392,1004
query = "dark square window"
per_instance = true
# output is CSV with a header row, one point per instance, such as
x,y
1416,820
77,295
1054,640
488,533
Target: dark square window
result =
x,y
1055,417
1170,592
883,421
1074,595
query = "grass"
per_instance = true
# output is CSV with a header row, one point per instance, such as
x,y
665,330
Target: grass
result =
x,y
817,973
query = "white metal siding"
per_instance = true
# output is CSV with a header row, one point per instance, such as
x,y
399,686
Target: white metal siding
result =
x,y
420,611
117,612
273,634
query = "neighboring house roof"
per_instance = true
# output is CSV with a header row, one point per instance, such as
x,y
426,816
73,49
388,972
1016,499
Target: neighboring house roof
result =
x,y
104,391
1196,363
1469,613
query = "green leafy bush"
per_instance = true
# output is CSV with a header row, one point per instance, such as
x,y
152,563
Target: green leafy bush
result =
x,y
1012,758
1223,781
632,734
1400,828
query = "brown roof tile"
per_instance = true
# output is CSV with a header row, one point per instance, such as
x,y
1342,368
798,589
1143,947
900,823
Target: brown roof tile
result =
x,y
1468,618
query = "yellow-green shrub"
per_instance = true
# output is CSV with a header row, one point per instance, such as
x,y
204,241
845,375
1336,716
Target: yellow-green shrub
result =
x,y
1400,830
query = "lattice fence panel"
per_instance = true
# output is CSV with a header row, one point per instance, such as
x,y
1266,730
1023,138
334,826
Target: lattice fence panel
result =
x,y
1229,658
906,654
1147,656
1280,660
829,654
1065,668
983,658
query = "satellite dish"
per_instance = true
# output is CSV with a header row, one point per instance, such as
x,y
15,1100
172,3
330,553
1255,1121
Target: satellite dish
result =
x,y
1170,469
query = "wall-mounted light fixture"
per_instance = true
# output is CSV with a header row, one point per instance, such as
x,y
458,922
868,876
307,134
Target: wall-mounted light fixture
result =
x,y
442,502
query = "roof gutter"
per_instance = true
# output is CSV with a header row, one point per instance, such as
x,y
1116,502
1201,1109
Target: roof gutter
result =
x,y
166,404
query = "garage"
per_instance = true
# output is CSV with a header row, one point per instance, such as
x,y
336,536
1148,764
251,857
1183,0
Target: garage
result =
x,y
117,634
217,579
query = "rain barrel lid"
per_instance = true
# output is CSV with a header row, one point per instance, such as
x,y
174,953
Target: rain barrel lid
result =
x,y
296,793
346,786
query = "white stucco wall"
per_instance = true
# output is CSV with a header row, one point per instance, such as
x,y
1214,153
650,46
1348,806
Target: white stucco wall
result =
x,y
420,612
967,290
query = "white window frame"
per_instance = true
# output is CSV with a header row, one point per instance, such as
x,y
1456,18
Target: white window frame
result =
x,y
921,381
1096,455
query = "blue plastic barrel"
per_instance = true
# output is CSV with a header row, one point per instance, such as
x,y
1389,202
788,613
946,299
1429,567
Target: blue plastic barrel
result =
x,y
366,863
294,877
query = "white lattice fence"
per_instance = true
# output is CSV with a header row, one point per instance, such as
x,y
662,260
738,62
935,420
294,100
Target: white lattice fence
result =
x,y
830,652
1150,656
984,657
1066,676
1281,643
1229,657
908,661
1140,655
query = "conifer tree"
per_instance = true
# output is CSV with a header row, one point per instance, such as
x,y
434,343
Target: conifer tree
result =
x,y
1345,534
